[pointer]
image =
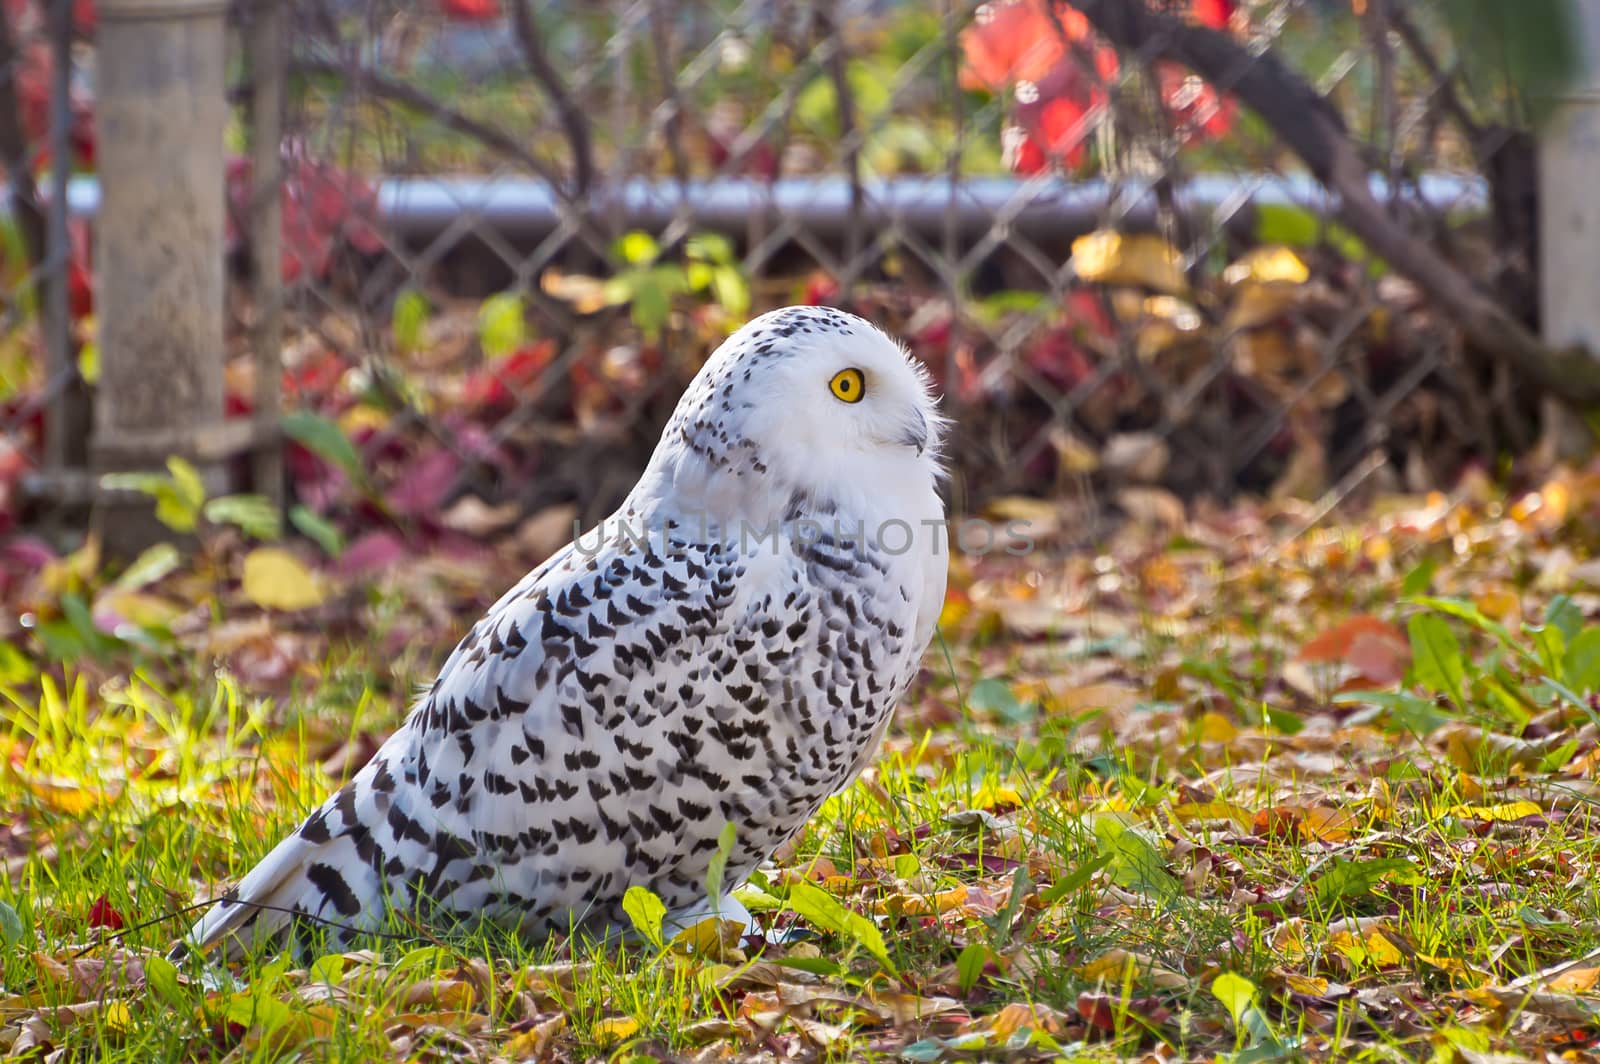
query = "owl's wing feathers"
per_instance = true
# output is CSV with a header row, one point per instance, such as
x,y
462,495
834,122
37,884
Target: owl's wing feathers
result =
x,y
596,728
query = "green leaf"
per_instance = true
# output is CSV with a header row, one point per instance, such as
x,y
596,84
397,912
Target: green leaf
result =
x,y
1284,223
997,305
1419,579
187,483
1076,881
11,929
146,483
1436,655
501,326
434,957
409,319
817,106
1565,615
326,970
638,248
698,275
1354,879
325,439
710,247
1407,712
317,529
1550,644
815,965
717,866
970,964
825,911
1580,667
255,515
646,911
651,298
995,696
15,668
1135,863
161,976
755,899
1236,994
148,567
1557,759
731,290
259,1009
1468,612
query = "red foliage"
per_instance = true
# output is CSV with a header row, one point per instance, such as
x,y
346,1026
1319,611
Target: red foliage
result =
x,y
1046,52
1017,40
495,386
821,289
101,914
471,10
323,206
1217,14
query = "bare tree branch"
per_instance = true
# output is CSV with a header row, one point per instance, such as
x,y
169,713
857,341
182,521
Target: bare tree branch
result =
x,y
495,139
1313,130
574,123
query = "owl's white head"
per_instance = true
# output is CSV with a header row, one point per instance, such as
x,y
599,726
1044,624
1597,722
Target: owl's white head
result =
x,y
804,402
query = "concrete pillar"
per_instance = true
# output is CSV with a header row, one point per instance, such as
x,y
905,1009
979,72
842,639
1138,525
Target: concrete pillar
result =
x,y
1569,226
160,109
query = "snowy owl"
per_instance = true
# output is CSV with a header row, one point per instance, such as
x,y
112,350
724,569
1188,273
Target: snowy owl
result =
x,y
726,649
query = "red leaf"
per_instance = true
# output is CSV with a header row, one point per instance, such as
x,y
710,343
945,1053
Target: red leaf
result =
x,y
1213,13
821,289
470,10
1196,110
1016,40
497,384
1278,822
425,484
1374,648
322,205
1058,358
370,553
101,914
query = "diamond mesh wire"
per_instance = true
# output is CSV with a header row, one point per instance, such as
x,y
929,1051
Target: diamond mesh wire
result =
x,y
1074,237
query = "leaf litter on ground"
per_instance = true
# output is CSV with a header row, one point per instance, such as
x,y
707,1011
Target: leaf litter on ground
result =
x,y
1231,786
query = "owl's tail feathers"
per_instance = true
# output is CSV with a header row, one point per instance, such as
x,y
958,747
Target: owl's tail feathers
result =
x,y
299,879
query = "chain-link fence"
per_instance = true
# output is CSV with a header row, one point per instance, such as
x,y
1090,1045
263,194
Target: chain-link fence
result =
x,y
1208,245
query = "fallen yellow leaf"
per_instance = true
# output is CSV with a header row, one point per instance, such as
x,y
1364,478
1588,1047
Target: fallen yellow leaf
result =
x,y
274,579
534,1042
1502,811
615,1029
921,905
1241,817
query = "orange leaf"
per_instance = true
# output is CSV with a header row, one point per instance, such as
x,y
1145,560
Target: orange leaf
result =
x,y
1374,648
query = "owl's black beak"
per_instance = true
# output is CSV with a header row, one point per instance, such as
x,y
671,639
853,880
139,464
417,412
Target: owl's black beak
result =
x,y
916,434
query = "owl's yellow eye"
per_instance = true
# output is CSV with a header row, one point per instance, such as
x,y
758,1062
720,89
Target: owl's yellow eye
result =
x,y
848,385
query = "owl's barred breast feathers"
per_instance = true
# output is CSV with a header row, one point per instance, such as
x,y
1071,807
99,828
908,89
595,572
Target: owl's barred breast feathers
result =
x,y
727,648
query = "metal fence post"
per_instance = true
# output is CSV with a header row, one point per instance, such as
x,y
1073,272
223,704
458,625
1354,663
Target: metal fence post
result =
x,y
1569,223
159,252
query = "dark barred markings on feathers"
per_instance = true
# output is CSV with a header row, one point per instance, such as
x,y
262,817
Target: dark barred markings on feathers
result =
x,y
599,727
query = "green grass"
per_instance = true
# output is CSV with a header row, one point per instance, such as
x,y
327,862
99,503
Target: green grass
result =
x,y
1083,844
